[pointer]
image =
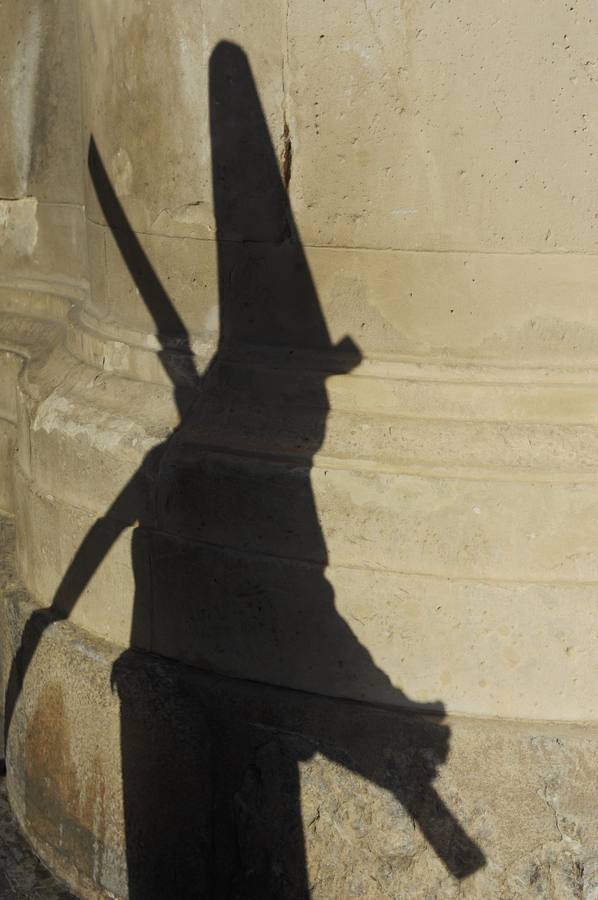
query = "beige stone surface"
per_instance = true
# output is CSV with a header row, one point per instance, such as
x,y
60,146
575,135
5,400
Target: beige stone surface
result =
x,y
130,105
523,791
455,452
40,100
385,489
443,126
41,160
453,469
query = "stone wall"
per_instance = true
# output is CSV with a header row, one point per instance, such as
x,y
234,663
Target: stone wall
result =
x,y
298,383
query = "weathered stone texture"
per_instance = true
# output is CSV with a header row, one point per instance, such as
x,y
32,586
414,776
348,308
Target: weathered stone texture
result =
x,y
523,792
298,411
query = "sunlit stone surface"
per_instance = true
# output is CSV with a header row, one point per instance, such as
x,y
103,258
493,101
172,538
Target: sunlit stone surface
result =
x,y
298,430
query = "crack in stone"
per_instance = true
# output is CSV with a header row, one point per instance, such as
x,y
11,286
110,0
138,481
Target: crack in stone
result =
x,y
553,811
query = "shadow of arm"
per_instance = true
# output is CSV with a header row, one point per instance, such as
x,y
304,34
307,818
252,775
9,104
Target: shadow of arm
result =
x,y
93,549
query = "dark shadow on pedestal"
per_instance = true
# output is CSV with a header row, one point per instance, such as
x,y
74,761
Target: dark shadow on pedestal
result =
x,y
190,829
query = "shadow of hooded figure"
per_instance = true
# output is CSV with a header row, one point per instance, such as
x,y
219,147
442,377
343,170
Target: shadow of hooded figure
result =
x,y
237,559
242,589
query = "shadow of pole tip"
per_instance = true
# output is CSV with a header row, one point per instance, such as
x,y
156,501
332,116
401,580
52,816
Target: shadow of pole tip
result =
x,y
471,862
459,853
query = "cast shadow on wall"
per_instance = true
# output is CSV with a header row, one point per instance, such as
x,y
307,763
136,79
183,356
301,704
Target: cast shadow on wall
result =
x,y
238,557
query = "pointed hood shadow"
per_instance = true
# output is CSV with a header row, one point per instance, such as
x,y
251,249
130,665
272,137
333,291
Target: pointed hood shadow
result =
x,y
267,295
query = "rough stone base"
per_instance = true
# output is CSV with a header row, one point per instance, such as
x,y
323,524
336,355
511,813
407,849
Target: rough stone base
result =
x,y
212,787
22,876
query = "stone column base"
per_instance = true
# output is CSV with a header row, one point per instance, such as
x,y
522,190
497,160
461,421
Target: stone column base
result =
x,y
200,786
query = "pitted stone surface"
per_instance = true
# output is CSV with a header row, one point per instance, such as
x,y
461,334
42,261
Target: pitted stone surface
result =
x,y
22,875
270,773
407,188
